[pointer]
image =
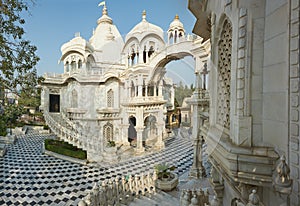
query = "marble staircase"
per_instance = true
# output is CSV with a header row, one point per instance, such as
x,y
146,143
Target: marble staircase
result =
x,y
65,129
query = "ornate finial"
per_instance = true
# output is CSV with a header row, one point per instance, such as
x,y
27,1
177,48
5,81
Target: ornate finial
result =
x,y
144,15
253,199
215,201
77,34
283,173
104,10
176,16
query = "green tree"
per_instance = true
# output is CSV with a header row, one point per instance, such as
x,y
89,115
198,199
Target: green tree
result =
x,y
32,100
9,117
17,57
182,91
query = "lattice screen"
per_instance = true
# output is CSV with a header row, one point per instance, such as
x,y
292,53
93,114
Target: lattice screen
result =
x,y
110,98
224,67
108,131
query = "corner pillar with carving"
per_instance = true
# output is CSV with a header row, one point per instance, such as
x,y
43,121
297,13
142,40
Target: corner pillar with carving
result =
x,y
197,170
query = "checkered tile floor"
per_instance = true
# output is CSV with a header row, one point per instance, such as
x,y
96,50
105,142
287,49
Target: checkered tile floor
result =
x,y
28,177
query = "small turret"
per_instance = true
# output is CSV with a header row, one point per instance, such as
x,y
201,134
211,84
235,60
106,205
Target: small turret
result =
x,y
176,31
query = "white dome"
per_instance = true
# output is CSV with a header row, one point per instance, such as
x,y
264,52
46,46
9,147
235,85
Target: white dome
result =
x,y
176,24
145,28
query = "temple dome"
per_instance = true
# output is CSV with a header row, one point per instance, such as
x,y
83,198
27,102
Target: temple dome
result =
x,y
144,28
176,24
107,38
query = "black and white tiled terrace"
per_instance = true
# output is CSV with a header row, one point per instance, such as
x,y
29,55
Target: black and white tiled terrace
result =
x,y
29,177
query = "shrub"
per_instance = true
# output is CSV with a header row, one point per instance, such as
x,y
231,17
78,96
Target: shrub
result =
x,y
163,170
64,148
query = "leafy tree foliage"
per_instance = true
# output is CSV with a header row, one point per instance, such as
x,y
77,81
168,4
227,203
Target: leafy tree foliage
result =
x,y
17,58
182,91
17,55
32,100
9,117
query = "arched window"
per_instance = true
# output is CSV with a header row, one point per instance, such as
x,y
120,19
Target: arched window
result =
x,y
224,75
73,65
132,56
74,101
79,64
108,131
67,66
151,51
110,98
171,38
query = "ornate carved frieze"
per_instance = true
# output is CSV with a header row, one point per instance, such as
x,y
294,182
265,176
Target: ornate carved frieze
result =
x,y
294,121
241,72
54,90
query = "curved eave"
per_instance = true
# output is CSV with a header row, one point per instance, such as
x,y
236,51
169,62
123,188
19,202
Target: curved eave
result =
x,y
142,34
87,79
79,48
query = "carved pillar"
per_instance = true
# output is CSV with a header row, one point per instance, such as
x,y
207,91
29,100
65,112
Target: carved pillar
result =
x,y
139,129
160,143
140,90
146,90
217,183
197,170
160,89
140,149
124,134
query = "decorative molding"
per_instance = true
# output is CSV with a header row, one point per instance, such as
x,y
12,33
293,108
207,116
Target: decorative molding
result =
x,y
294,121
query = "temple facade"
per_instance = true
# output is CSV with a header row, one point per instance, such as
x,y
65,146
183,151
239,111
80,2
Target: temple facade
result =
x,y
252,133
113,90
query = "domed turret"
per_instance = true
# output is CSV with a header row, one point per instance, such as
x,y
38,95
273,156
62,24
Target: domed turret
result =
x,y
107,39
144,28
176,31
142,42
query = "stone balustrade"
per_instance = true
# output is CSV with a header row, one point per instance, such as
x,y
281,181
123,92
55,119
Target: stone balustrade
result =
x,y
194,197
120,190
65,130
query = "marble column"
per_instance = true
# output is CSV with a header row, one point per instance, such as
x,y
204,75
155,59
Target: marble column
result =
x,y
139,146
124,134
139,130
197,170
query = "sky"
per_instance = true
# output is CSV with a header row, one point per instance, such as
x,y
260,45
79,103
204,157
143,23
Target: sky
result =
x,y
51,23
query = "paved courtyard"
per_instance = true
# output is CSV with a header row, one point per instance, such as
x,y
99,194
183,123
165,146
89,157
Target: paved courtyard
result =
x,y
28,177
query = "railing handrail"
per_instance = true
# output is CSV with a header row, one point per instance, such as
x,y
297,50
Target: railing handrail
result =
x,y
120,190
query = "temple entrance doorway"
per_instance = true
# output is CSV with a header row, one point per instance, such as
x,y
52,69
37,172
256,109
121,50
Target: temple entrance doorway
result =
x,y
54,103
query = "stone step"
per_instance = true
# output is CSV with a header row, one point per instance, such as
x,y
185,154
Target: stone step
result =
x,y
158,199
